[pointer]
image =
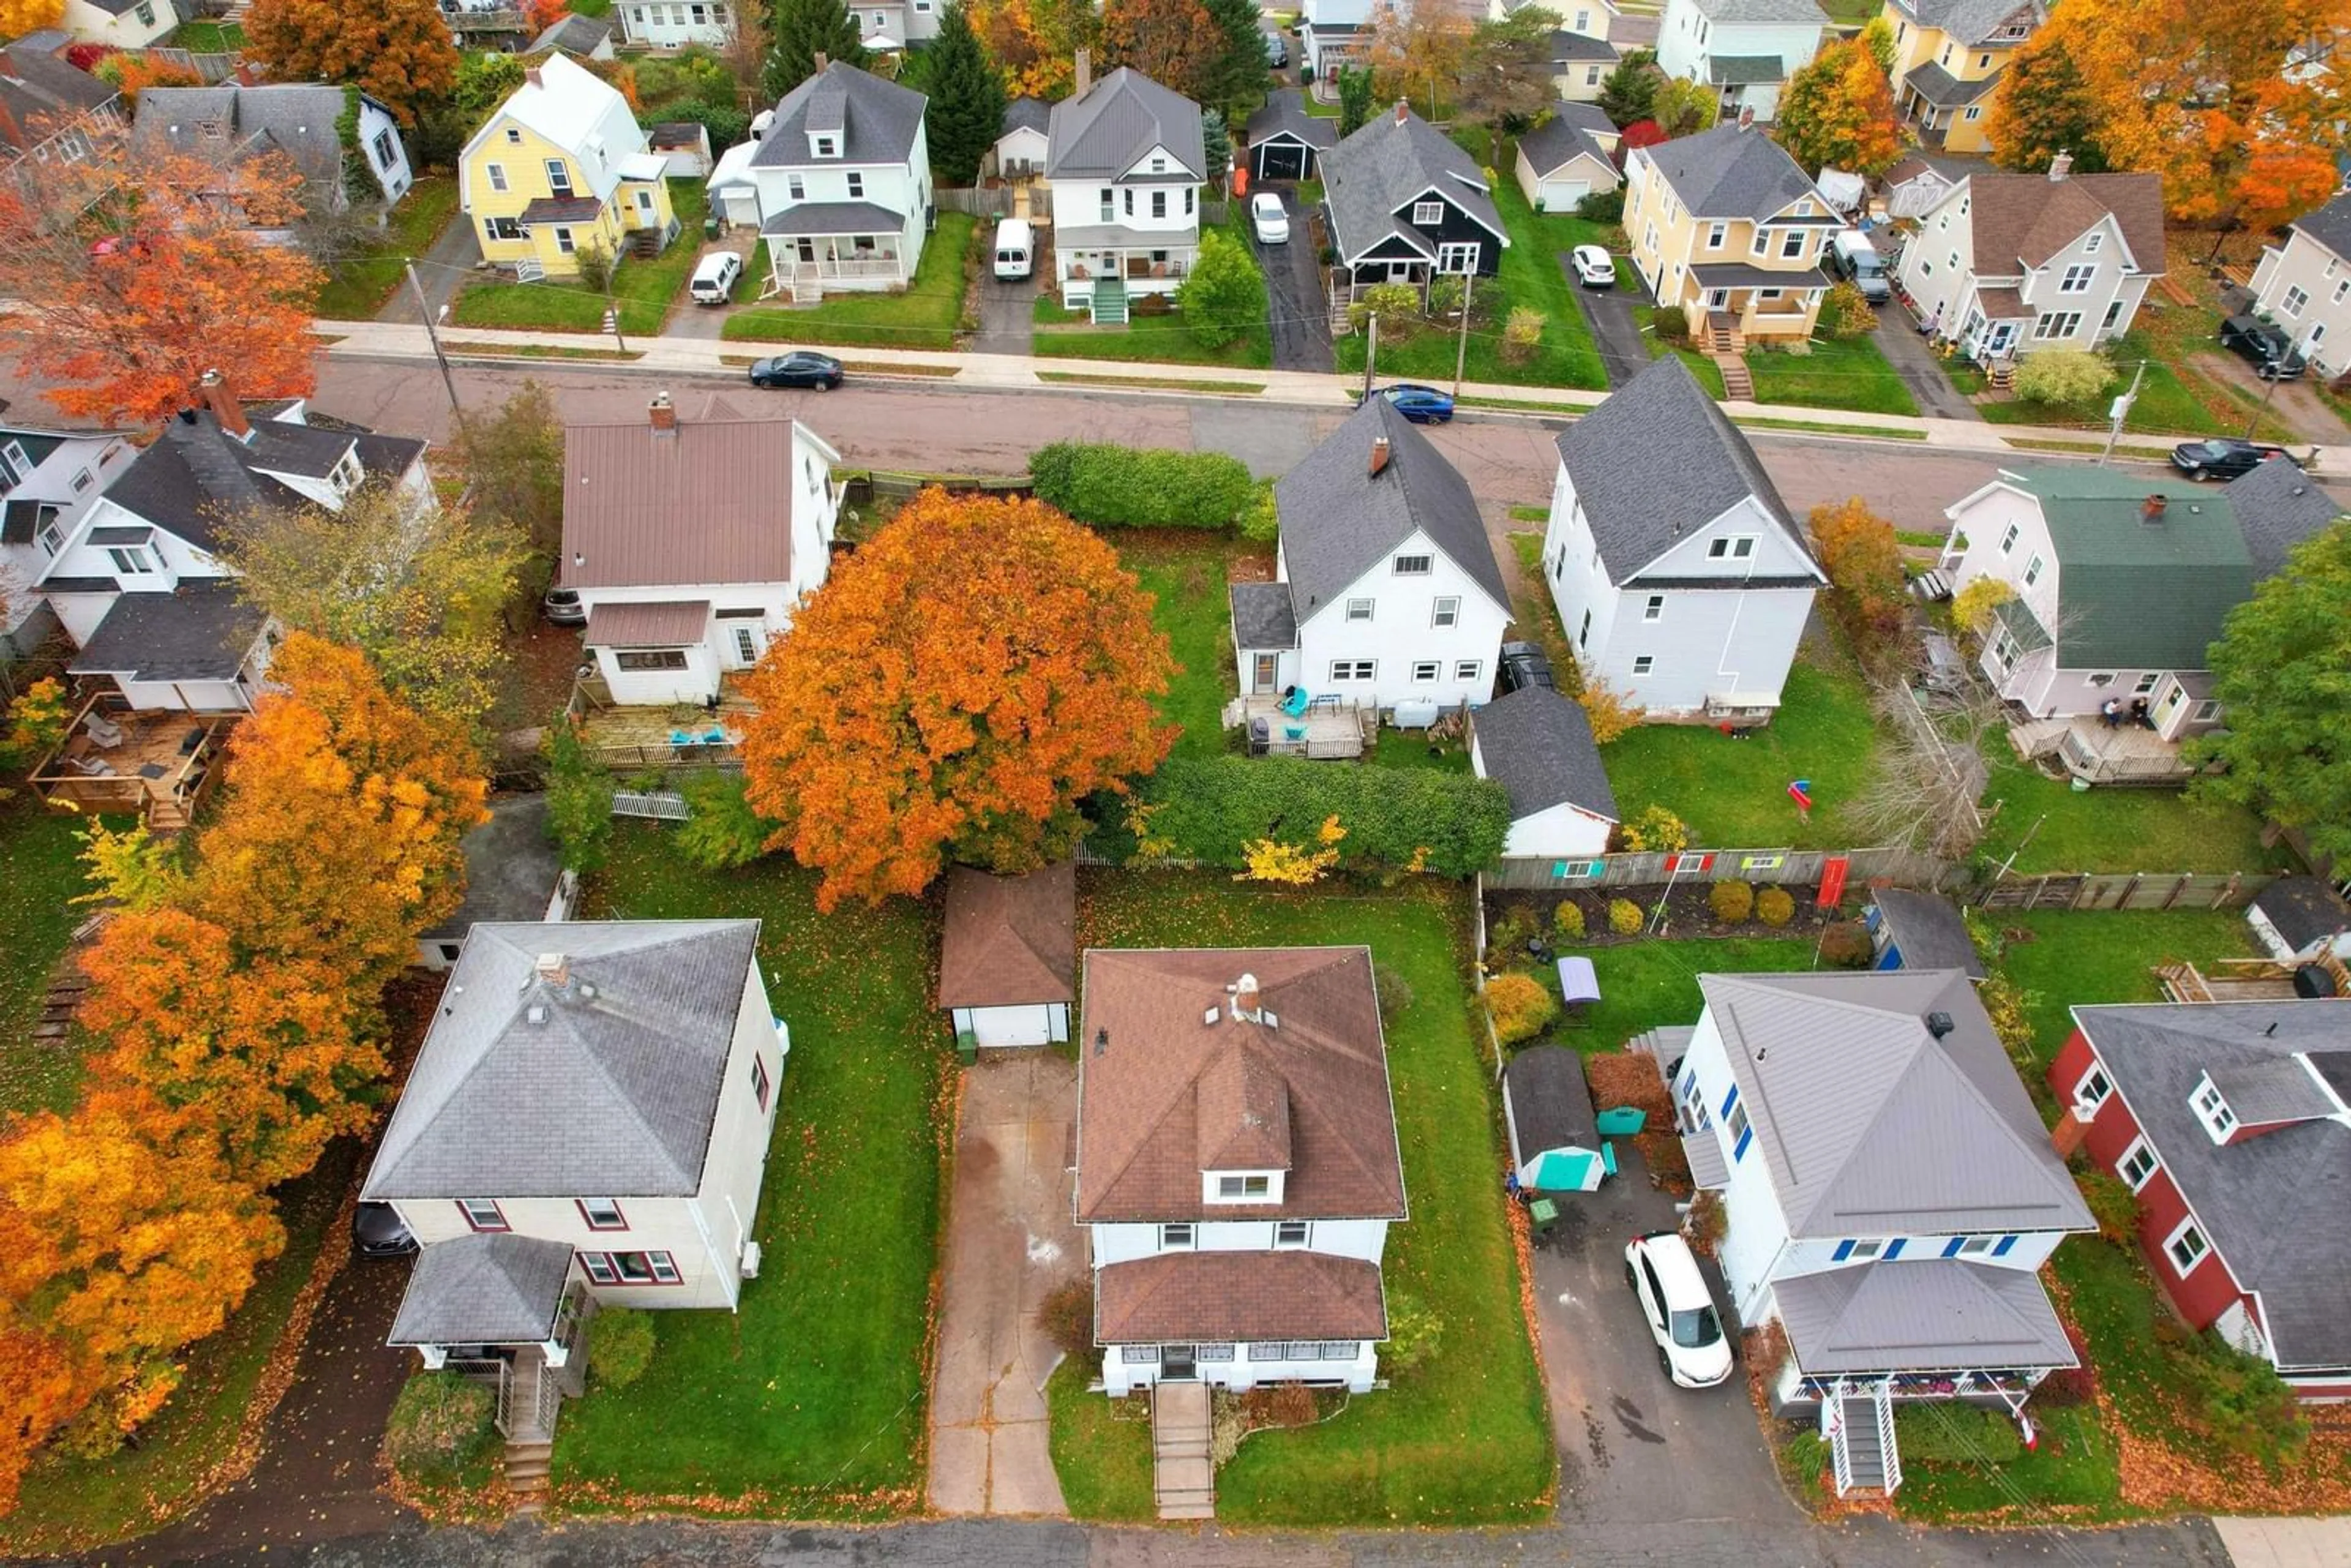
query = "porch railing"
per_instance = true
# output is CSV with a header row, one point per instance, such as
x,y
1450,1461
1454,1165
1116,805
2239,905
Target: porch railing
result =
x,y
827,271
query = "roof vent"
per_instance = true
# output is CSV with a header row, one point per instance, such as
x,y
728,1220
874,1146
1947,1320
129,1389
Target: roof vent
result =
x,y
587,991
1939,1024
1267,1019
1209,1018
536,1012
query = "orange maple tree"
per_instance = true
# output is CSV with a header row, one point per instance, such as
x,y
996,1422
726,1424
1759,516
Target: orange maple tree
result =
x,y
972,672
1033,42
1175,43
146,273
1864,560
1838,111
398,51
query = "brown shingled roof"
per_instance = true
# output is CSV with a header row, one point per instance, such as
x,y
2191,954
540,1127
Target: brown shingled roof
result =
x,y
708,502
1194,1297
2031,217
1011,941
1159,1089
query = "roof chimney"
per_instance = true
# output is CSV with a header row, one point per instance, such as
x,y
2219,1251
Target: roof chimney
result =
x,y
664,414
823,62
1245,997
552,968
1379,455
2151,509
2072,1131
225,407
531,78
1402,109
1939,1024
2059,166
1085,71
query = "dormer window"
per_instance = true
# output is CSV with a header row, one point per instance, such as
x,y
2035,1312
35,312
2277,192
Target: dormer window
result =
x,y
1240,1189
1241,1186
825,146
2214,1110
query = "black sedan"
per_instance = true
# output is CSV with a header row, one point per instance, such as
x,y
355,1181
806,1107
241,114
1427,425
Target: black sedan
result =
x,y
377,1232
2225,457
800,368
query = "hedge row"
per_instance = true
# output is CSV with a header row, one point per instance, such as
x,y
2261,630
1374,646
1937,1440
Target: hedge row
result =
x,y
1214,806
1153,487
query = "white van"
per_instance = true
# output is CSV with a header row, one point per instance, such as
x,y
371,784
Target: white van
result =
x,y
714,277
1853,257
1016,249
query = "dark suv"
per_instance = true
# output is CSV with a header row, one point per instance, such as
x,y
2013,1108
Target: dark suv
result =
x,y
1524,664
2224,457
2269,350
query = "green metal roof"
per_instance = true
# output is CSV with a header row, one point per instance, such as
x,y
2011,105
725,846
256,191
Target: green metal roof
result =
x,y
2136,591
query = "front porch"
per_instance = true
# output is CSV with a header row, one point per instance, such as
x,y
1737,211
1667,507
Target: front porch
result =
x,y
1326,727
661,735
1751,308
1102,267
807,256
2095,752
157,762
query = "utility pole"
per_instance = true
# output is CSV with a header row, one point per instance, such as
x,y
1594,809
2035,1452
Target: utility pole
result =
x,y
432,335
2268,392
1461,348
2120,412
1370,351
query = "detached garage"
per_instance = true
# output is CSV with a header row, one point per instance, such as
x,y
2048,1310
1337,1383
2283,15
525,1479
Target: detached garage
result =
x,y
1007,959
1568,157
1285,143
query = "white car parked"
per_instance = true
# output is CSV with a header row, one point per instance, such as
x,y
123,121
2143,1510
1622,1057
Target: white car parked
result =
x,y
1270,218
1691,1345
1594,267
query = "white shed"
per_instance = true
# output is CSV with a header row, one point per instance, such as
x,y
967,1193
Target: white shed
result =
x,y
1008,956
1538,746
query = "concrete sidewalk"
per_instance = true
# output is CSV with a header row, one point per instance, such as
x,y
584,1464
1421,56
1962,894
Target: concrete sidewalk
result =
x,y
2286,1543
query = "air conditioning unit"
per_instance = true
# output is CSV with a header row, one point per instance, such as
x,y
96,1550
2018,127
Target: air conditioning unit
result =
x,y
750,1260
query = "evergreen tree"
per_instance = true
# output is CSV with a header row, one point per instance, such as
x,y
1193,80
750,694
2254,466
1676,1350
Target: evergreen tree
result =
x,y
805,29
966,109
1215,143
1237,81
1354,98
1630,91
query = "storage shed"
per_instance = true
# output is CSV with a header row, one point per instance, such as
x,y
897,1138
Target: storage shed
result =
x,y
1007,960
1547,1107
2297,918
1918,931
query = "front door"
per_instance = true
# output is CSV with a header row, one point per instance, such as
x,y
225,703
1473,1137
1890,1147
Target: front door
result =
x,y
1718,299
1263,680
2003,334
1178,1364
646,205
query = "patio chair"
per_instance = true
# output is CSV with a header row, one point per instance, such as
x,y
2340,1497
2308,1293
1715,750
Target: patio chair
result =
x,y
1297,702
680,738
104,733
89,767
713,736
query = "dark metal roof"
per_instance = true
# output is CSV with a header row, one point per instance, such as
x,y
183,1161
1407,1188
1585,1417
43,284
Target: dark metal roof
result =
x,y
1928,1314
201,631
1117,123
1284,114
833,218
1745,70
1538,746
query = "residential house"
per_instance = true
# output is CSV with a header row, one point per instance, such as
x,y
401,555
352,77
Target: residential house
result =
x,y
1538,746
2232,1122
1890,1190
301,122
1725,227
48,478
581,38
513,875
890,27
2277,505
675,24
842,182
1912,187
1387,591
562,166
1947,57
2005,264
1406,204
1009,957
691,543
1689,598
586,1124
2298,919
125,24
1581,55
1914,930
1018,154
49,108
1569,155
2303,286
1283,141
1125,164
1237,1166
1334,33
1746,49
1555,1143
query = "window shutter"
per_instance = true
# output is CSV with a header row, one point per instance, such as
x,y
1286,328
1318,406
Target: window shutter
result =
x,y
1843,1251
1738,1150
2003,1247
1729,1100
1894,1250
1951,1248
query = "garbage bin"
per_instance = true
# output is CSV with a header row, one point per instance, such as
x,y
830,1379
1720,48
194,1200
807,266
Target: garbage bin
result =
x,y
710,228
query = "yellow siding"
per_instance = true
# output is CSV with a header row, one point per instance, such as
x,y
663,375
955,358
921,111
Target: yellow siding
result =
x,y
1682,242
519,156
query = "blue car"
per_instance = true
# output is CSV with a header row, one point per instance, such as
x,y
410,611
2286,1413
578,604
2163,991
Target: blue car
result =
x,y
1422,405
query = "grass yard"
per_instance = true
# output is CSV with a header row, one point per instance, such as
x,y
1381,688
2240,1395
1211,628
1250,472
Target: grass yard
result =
x,y
1463,1438
1186,574
1654,984
1849,374
1709,373
41,868
643,290
923,317
810,1402
2066,958
208,38
2075,1466
2174,398
1411,748
2111,829
1152,339
1102,1447
361,286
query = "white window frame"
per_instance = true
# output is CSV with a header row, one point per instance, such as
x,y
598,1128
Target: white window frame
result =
x,y
2033,570
1455,257
1446,611
2211,1108
2186,1230
2138,1148
1467,669
559,176
2078,278
2085,1097
2008,539
2292,301
796,187
1413,565
497,174
2095,243
1426,212
1427,671
1361,609
1180,1235
1731,547
1717,235
1354,669
1654,608
131,560
1643,665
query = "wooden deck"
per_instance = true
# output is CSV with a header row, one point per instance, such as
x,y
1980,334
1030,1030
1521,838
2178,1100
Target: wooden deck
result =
x,y
1331,728
160,768
2097,753
2244,981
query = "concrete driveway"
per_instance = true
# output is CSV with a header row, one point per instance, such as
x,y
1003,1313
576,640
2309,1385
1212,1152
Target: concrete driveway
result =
x,y
1293,288
1905,347
1612,313
1010,1244
1634,1449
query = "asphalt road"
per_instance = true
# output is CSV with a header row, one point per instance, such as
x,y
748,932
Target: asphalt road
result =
x,y
1613,314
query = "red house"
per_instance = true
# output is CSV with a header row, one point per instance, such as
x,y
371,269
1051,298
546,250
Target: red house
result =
x,y
2231,1121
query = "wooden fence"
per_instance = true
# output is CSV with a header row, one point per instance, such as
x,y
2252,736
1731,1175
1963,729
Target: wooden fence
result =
x,y
1906,867
2127,890
212,69
982,202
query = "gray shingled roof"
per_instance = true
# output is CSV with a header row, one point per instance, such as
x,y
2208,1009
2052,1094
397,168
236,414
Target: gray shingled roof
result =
x,y
1576,48
193,475
1971,21
2278,505
2276,1208
1928,930
1928,1314
2330,225
1733,173
1285,114
604,1085
298,119
37,84
877,120
1769,13
2266,1093
511,868
1538,746
1745,70
201,631
1117,123
574,35
1369,177
1573,128
1662,422
1944,90
483,1290
1339,520
833,218
1262,617
1550,1102
2305,909
1026,114
1871,1126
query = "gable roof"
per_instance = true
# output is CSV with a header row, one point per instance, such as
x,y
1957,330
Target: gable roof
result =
x,y
574,35
1869,1125
1550,1102
1568,47
1117,123
877,120
605,1085
2330,225
1284,114
1009,940
2303,909
297,118
1377,172
1928,930
2134,593
708,502
38,85
483,1290
1158,1088
194,475
1927,1314
1662,421
1573,128
2277,505
576,109
1914,168
200,631
1538,746
1971,21
2029,218
2277,1207
1762,13
1339,520
1733,172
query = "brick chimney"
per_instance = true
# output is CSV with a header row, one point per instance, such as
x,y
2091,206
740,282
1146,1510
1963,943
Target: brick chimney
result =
x,y
1379,455
1402,108
1085,73
2059,166
823,62
664,414
531,78
2151,509
2068,1134
224,408
552,968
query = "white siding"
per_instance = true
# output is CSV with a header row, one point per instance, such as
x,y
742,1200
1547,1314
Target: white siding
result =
x,y
1363,1238
1687,40
1122,1377
672,24
1563,831
903,188
1078,203
1026,145
1011,1027
1758,1230
2321,326
1937,269
1401,634
386,154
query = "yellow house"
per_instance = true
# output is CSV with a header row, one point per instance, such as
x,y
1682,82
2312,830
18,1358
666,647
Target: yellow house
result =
x,y
1725,227
1947,57
561,168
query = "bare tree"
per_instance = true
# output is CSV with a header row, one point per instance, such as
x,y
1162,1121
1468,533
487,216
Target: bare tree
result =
x,y
1929,773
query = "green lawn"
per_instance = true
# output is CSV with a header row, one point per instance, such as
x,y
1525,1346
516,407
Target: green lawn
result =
x,y
2075,1466
1154,340
1186,574
360,286
2068,958
2173,399
922,317
1849,374
1411,748
1529,276
40,866
1654,984
810,1402
1709,373
643,290
1102,1447
2112,829
1463,1438
208,38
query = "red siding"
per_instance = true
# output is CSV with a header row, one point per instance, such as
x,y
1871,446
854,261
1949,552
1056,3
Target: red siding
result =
x,y
2111,1129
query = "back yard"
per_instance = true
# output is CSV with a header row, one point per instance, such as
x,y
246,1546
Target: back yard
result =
x,y
2111,829
1184,573
40,866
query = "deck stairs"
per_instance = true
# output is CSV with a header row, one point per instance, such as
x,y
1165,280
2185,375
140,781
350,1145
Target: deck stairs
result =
x,y
1857,1419
1182,1472
1110,302
529,1402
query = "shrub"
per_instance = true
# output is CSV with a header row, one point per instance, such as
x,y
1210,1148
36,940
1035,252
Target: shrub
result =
x,y
1973,606
2063,375
2010,1008
1775,906
439,1422
1568,920
1211,809
1396,992
620,1345
1395,306
1413,1332
1519,1005
1945,1432
1066,1315
721,831
1224,293
1609,713
1731,902
1847,313
579,799
1508,932
1260,521
1707,1221
1120,486
1523,333
1845,946
1807,1458
1445,296
2111,1203
1603,207
38,722
1624,916
1655,829
1669,324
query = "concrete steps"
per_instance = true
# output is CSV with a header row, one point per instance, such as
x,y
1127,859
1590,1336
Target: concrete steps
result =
x,y
527,1464
1737,384
1183,1478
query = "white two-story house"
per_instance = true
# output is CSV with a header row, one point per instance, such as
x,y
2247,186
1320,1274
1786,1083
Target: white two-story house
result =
x,y
691,543
839,185
1237,1166
1678,573
2303,286
1745,49
1335,33
1890,1191
48,478
675,24
1385,589
1124,163
2006,264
